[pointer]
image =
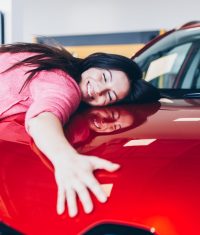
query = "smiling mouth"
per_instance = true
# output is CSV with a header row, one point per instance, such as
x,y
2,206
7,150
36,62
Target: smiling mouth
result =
x,y
96,124
89,89
90,92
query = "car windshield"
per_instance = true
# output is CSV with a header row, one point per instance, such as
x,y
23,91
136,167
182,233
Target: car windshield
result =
x,y
173,62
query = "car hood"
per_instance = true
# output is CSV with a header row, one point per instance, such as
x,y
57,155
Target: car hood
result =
x,y
155,188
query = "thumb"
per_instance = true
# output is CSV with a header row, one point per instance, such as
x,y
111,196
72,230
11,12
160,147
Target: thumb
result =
x,y
99,163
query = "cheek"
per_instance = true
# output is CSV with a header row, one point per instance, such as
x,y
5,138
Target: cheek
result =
x,y
97,102
93,103
123,93
82,86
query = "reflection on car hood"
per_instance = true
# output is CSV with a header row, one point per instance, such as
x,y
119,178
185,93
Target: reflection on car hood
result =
x,y
156,187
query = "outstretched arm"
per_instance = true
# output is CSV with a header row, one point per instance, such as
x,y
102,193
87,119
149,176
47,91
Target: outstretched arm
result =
x,y
73,171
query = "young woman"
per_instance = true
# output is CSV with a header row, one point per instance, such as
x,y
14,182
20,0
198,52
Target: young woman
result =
x,y
48,83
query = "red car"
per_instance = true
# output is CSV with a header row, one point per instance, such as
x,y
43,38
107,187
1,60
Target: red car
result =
x,y
156,190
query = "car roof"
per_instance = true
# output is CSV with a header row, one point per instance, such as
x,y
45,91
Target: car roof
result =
x,y
190,24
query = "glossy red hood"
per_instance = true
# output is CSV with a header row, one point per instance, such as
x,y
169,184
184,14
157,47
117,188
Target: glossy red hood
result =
x,y
156,187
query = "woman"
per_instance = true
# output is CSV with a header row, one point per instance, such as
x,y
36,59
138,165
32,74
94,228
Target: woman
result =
x,y
48,83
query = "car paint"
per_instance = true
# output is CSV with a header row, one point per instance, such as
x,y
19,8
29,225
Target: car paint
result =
x,y
156,187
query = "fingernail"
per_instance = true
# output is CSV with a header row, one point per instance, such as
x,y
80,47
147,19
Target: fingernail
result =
x,y
103,199
72,214
59,211
88,209
116,165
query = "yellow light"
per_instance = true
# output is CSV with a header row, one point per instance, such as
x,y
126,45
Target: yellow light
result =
x,y
152,230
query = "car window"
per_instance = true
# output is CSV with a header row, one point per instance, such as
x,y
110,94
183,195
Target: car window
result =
x,y
162,71
173,62
191,79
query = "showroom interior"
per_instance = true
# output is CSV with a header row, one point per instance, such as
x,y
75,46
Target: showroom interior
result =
x,y
26,20
106,144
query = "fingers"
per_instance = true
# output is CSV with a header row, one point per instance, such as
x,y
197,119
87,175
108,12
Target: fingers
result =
x,y
70,195
77,182
99,163
71,202
81,189
84,197
60,201
95,187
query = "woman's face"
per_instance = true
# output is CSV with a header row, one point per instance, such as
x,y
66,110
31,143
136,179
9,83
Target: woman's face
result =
x,y
101,87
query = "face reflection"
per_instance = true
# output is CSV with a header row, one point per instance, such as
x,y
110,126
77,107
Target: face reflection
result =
x,y
110,119
101,87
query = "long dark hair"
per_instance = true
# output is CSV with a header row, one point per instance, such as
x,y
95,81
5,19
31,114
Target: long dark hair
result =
x,y
140,90
47,57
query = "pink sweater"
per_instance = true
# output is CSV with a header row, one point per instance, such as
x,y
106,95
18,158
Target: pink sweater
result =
x,y
49,91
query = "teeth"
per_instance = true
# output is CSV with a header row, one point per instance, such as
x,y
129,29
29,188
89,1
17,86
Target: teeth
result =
x,y
89,90
96,124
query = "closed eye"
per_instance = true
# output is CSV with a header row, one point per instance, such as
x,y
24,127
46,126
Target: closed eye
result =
x,y
110,97
104,77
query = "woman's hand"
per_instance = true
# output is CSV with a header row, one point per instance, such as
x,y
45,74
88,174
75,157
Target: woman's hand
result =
x,y
73,171
74,177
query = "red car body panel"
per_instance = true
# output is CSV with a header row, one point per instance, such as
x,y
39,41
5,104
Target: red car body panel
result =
x,y
157,187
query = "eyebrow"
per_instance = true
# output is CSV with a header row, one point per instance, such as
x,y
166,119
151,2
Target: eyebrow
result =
x,y
111,81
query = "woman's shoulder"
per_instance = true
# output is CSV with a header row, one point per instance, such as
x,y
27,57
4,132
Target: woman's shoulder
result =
x,y
18,55
8,59
58,79
55,75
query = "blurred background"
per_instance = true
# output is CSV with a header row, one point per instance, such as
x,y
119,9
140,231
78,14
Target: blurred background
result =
x,y
118,20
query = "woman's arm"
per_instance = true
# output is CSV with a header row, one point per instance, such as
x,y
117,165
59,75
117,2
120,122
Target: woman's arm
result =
x,y
73,171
